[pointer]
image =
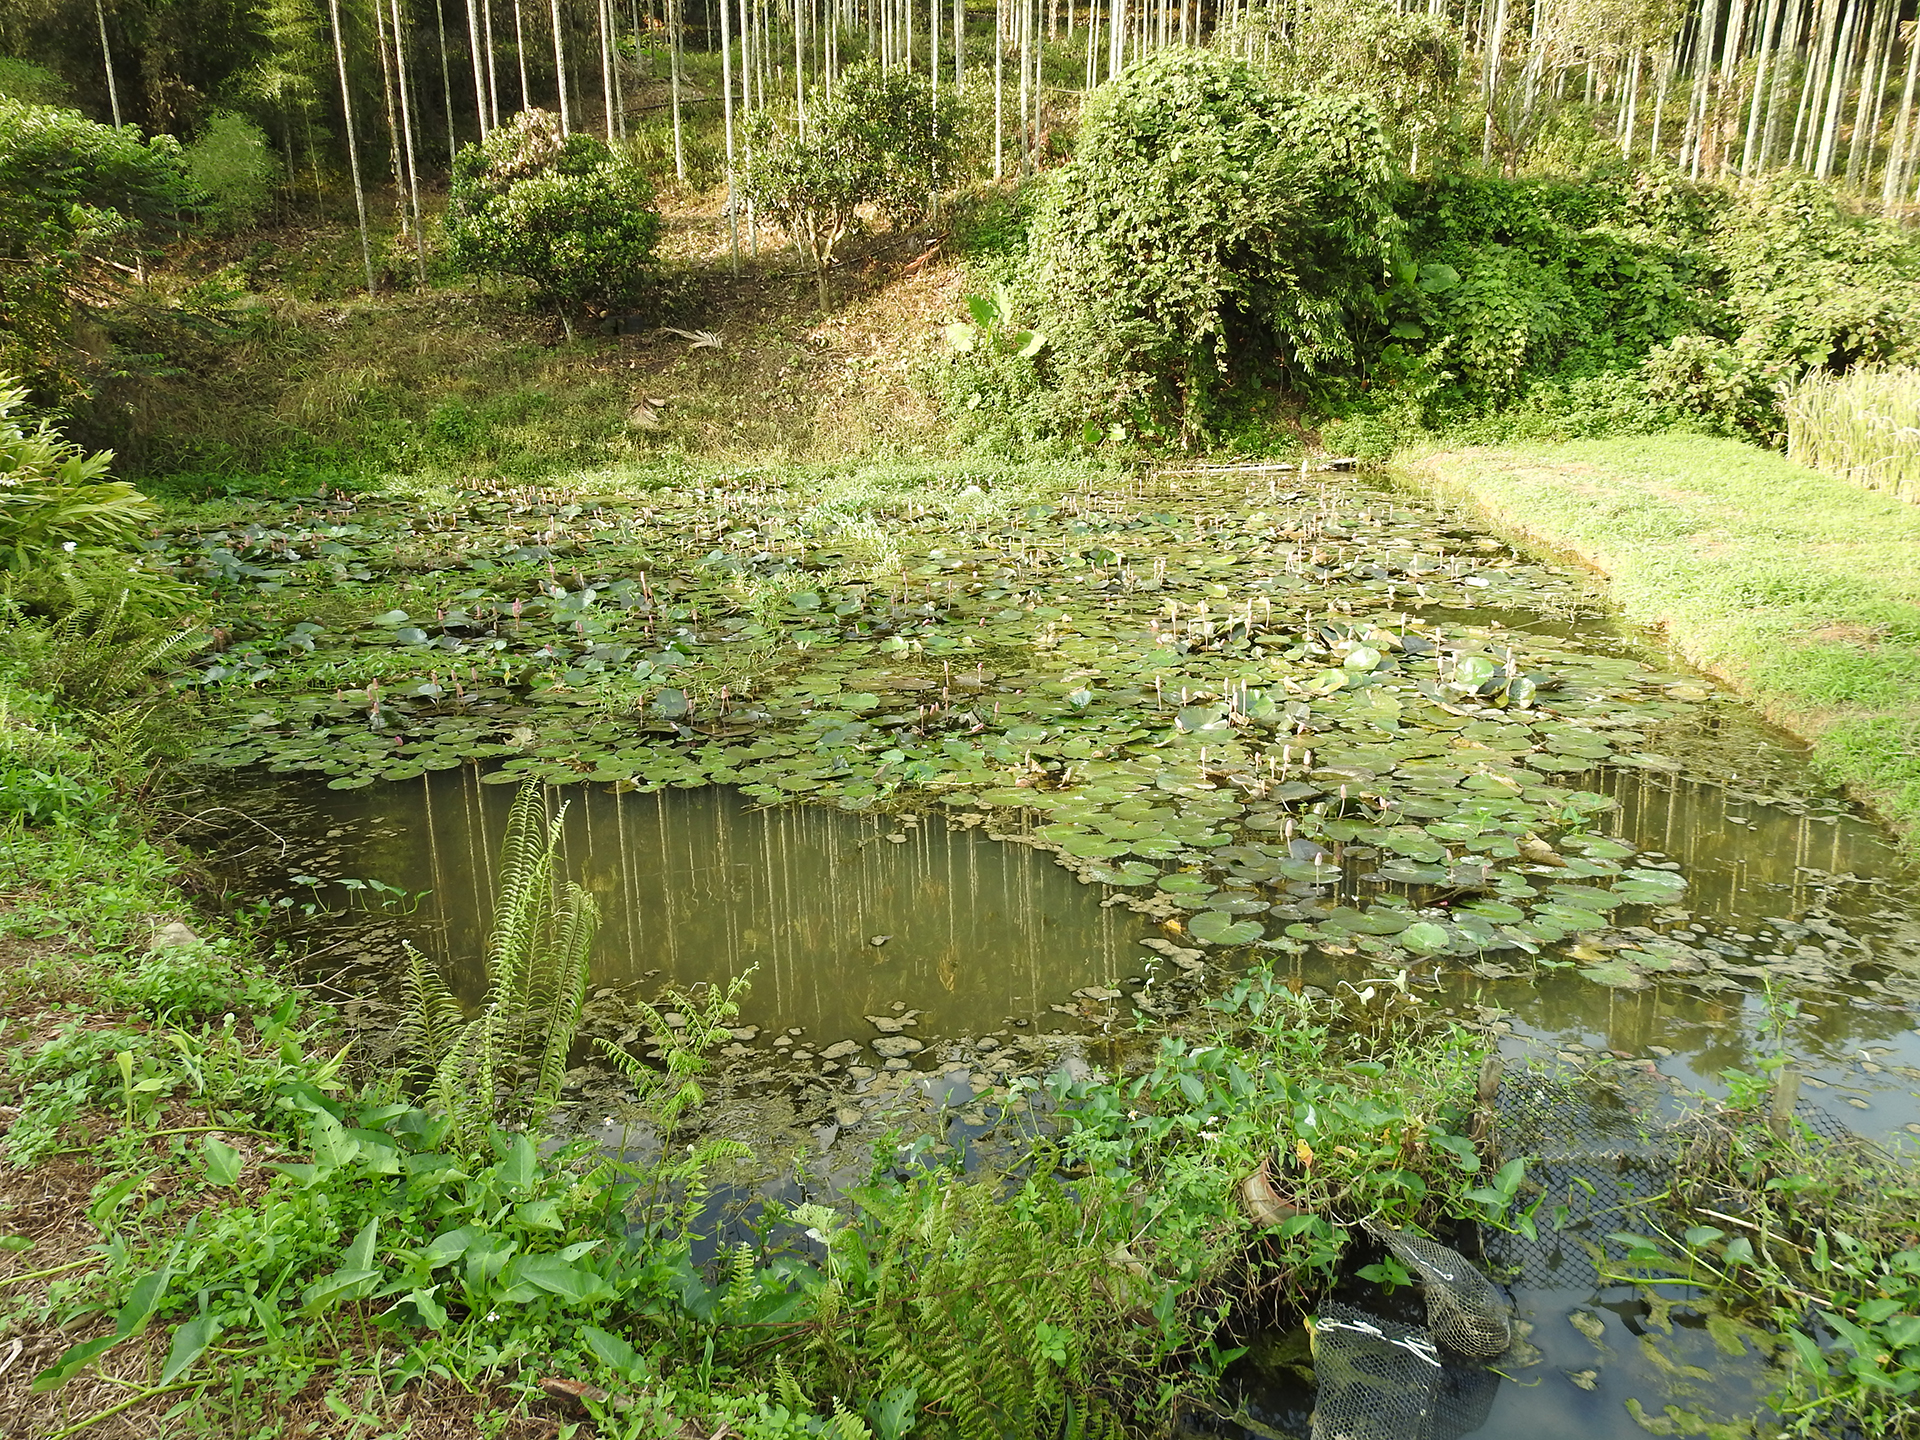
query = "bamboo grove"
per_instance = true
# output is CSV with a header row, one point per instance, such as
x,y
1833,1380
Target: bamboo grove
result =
x,y
389,89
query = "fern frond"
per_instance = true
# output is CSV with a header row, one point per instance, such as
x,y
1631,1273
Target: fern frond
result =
x,y
432,1018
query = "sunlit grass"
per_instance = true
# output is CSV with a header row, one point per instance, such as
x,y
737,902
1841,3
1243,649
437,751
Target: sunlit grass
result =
x,y
1863,426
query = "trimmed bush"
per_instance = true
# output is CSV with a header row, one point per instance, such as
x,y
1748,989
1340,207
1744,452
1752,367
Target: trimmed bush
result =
x,y
562,212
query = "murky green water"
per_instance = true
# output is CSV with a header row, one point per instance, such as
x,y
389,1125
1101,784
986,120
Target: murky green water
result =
x,y
839,917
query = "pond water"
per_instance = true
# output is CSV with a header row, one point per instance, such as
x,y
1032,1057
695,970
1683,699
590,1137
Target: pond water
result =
x,y
837,916
1149,734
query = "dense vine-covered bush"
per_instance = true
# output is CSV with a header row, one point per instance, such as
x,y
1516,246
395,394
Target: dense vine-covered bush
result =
x,y
1709,297
1809,285
562,211
1517,281
77,203
1210,229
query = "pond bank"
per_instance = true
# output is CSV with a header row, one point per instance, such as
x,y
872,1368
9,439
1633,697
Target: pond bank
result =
x,y
1800,589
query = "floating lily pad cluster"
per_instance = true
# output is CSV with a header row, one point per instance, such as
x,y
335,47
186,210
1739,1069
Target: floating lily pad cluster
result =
x,y
1314,717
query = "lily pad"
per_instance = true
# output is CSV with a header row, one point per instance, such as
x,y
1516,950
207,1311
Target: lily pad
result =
x,y
1216,928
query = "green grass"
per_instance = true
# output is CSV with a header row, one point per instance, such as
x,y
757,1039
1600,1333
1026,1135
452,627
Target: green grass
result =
x,y
1799,588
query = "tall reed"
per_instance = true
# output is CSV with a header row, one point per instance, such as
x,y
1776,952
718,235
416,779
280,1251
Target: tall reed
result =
x,y
1863,426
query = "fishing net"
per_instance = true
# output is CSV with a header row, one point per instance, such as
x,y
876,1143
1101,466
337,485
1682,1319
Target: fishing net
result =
x,y
1464,1312
1600,1146
1379,1379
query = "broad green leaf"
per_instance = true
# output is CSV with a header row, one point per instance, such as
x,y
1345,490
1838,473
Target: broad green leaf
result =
x,y
222,1161
1217,928
190,1342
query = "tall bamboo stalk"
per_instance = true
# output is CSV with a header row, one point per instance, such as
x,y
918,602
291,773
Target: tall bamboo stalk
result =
x,y
406,134
493,70
1836,92
560,70
353,145
999,88
106,54
520,54
479,66
446,76
1891,183
606,69
1756,108
675,18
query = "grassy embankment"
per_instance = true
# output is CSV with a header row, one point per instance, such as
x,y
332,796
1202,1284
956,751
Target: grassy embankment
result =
x,y
1800,590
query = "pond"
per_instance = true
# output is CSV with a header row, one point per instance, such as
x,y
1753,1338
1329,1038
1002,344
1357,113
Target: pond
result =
x,y
837,916
1064,764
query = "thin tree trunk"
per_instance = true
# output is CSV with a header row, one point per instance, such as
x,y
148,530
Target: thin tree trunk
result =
x,y
1023,45
1116,38
1892,181
999,88
1786,46
1663,82
959,47
1866,115
606,69
353,145
1836,92
1493,79
479,66
1632,107
675,17
406,135
1039,83
799,82
393,122
520,54
1696,142
106,53
560,70
446,75
493,69
1757,108
726,90
1813,83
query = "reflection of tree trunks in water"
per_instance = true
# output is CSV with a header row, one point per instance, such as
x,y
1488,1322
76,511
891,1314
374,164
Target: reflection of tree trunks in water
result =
x,y
699,886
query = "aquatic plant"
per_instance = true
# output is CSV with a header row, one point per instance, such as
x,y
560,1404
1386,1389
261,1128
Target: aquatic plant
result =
x,y
536,967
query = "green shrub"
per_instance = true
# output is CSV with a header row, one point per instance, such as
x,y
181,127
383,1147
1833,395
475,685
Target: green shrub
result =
x,y
564,212
235,172
1811,285
54,498
75,199
1210,230
1516,282
30,83
883,138
1726,387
